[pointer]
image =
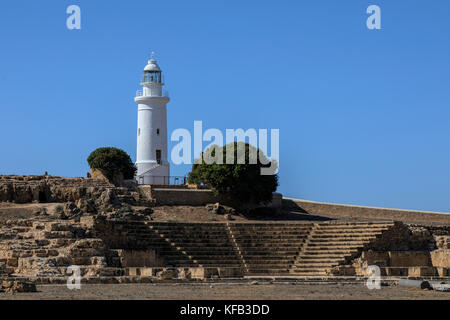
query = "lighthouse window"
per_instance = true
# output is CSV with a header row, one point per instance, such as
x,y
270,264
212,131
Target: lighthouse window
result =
x,y
157,131
139,131
152,76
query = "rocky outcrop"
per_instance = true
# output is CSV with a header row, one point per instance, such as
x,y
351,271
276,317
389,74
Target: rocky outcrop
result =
x,y
404,250
402,237
78,196
13,286
25,189
116,179
47,248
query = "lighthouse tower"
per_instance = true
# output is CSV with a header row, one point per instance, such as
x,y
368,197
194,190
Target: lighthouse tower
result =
x,y
151,159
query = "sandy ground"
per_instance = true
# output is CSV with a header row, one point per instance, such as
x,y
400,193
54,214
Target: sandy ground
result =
x,y
227,291
201,214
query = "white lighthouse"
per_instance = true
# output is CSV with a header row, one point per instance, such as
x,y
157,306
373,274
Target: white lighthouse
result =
x,y
151,159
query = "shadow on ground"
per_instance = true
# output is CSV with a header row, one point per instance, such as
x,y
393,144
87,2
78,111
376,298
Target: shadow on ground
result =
x,y
289,212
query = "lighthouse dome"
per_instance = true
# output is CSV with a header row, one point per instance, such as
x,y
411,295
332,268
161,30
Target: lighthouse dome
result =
x,y
152,66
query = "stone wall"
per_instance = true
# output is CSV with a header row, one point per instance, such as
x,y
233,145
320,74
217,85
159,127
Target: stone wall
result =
x,y
440,258
191,197
395,258
343,211
139,258
25,189
402,237
404,250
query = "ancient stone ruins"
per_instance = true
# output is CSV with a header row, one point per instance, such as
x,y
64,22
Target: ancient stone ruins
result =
x,y
48,224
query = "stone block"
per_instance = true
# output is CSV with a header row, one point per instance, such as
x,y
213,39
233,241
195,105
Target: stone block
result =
x,y
203,273
442,242
230,272
377,258
184,273
409,259
12,262
133,271
442,271
167,274
139,258
344,271
394,272
440,258
421,271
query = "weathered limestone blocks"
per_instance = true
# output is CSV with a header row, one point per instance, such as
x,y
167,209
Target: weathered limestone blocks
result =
x,y
82,251
37,266
418,272
440,258
402,237
442,242
13,286
139,258
105,247
394,258
399,263
409,258
25,189
404,250
186,273
47,248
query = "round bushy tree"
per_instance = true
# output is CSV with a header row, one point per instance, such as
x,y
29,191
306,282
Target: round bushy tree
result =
x,y
240,181
112,161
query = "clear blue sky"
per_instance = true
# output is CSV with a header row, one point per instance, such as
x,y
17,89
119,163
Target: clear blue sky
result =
x,y
363,114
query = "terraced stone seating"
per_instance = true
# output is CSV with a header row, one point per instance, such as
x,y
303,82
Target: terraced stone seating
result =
x,y
331,244
201,244
46,248
269,248
258,248
139,235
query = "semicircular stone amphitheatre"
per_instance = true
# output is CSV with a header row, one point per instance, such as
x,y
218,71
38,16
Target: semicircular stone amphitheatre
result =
x,y
111,234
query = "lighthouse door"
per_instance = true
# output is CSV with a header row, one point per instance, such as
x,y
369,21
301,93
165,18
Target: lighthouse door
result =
x,y
158,156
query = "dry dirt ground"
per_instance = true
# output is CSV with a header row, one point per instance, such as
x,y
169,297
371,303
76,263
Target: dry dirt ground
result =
x,y
201,214
227,291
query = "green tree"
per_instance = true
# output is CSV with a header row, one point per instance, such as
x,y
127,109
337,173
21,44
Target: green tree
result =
x,y
112,161
241,182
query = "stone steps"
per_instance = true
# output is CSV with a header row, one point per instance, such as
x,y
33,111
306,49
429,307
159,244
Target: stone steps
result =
x,y
307,260
332,244
283,253
262,248
269,249
272,256
326,245
342,238
312,272
340,227
270,246
200,251
271,271
333,255
312,265
271,236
